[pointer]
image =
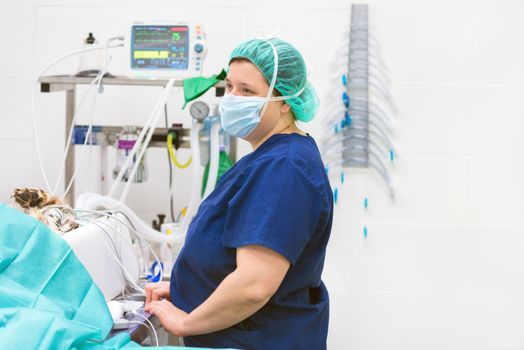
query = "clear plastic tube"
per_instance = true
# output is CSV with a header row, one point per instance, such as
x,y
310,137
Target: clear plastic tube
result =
x,y
93,202
194,201
33,104
144,146
214,136
134,150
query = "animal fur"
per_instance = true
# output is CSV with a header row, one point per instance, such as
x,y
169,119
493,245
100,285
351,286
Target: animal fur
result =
x,y
37,202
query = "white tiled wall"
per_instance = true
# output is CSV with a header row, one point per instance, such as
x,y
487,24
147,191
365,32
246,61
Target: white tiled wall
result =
x,y
442,266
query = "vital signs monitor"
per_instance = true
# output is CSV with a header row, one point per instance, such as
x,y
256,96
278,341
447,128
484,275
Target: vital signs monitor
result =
x,y
166,49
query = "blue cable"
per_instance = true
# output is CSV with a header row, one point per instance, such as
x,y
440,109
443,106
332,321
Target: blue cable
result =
x,y
152,277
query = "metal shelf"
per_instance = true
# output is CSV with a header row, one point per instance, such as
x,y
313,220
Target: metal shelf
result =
x,y
68,83
54,83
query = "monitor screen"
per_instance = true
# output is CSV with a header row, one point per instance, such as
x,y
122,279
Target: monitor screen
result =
x,y
160,47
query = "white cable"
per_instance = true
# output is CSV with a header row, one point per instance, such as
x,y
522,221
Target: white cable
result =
x,y
98,81
33,108
85,201
135,148
148,246
149,322
117,259
129,244
89,165
87,218
144,146
126,273
125,224
108,215
94,201
73,122
138,142
87,137
140,243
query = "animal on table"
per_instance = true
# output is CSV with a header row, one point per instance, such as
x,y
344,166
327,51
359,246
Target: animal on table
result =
x,y
46,208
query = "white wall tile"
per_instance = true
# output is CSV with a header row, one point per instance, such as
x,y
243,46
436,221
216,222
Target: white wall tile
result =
x,y
427,46
135,3
17,165
414,258
17,33
15,116
458,190
496,55
447,119
316,38
376,320
51,152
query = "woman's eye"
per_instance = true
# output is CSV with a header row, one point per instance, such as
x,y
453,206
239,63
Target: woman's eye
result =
x,y
247,91
229,87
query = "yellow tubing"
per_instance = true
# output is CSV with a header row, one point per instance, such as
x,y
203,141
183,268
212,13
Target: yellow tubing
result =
x,y
172,153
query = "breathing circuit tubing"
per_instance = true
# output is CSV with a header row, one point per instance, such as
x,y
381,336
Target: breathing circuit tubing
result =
x,y
214,137
172,154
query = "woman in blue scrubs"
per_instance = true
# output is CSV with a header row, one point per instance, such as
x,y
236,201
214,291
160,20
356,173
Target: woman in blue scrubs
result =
x,y
249,274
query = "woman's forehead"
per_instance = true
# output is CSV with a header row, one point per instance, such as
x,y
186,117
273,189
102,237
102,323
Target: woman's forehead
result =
x,y
245,73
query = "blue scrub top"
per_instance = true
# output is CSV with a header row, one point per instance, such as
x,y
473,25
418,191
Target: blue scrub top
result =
x,y
279,197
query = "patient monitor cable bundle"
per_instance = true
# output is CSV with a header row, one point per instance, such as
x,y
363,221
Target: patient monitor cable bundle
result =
x,y
119,308
109,215
97,81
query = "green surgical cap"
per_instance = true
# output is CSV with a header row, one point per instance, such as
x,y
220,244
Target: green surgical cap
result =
x,y
291,75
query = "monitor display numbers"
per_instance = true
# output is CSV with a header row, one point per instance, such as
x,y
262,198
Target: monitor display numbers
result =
x,y
160,47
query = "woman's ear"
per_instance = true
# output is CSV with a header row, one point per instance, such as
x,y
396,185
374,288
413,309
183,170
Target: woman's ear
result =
x,y
284,108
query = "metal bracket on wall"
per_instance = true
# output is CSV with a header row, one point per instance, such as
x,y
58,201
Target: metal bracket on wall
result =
x,y
357,130
356,140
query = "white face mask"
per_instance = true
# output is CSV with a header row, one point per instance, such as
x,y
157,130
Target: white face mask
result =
x,y
240,115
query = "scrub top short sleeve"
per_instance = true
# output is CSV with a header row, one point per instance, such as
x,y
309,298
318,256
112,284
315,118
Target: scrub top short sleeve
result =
x,y
278,197
278,207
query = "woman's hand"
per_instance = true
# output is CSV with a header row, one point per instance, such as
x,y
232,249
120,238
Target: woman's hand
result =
x,y
168,314
243,292
171,317
157,291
